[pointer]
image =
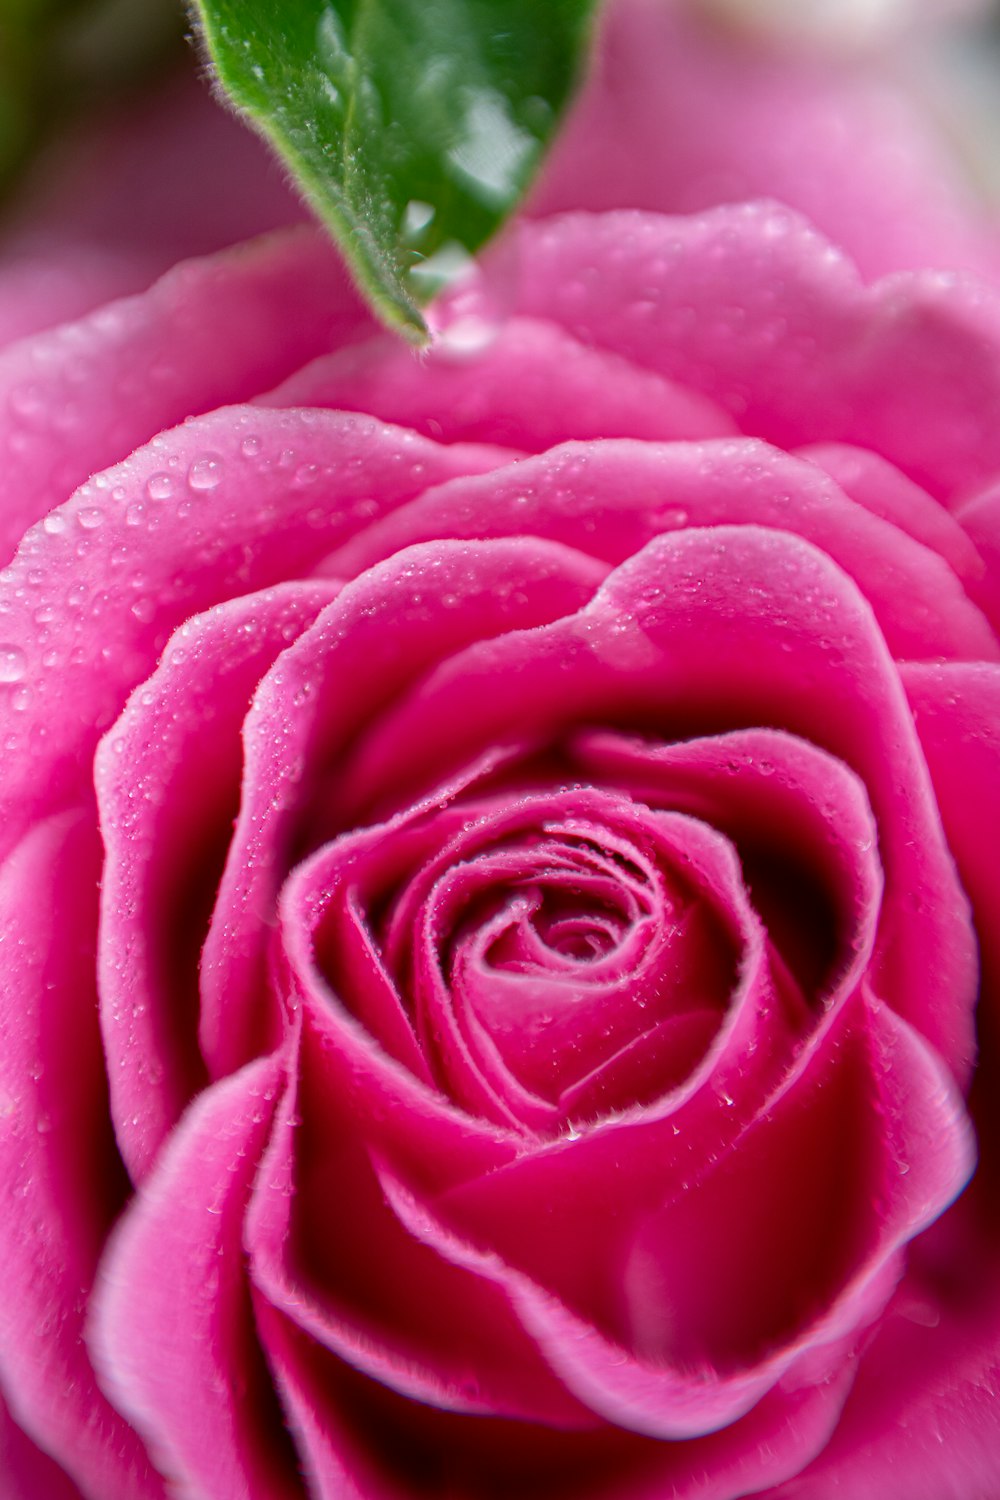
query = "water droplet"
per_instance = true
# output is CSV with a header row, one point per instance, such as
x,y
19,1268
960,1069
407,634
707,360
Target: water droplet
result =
x,y
206,472
159,486
90,517
13,663
250,446
54,524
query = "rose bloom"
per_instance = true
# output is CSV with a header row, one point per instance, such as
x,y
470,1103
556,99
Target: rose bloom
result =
x,y
499,901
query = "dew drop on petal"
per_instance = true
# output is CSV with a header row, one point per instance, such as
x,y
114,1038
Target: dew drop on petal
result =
x,y
206,472
159,486
13,663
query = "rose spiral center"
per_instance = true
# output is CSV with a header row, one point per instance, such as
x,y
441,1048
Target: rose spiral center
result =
x,y
553,956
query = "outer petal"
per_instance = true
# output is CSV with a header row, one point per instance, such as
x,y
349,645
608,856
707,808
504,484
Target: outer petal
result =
x,y
168,777
227,504
173,1330
60,1175
957,714
328,1252
211,332
529,386
826,1110
922,1422
751,307
882,489
981,518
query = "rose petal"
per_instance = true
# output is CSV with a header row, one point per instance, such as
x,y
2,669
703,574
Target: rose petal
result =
x,y
327,1251
802,825
363,1442
173,1331
227,504
882,489
532,386
333,1459
920,1423
611,498
28,1472
749,306
62,1181
925,1153
980,516
211,332
425,1130
168,776
957,713
519,1047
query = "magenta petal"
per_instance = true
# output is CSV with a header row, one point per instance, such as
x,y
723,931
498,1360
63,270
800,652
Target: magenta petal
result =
x,y
173,1331
27,1472
921,1421
168,776
533,386
980,516
957,714
212,332
883,490
61,1176
362,1442
324,915
910,1145
327,1251
801,822
749,306
516,1036
332,1455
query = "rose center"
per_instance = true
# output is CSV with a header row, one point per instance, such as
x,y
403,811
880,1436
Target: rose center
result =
x,y
561,963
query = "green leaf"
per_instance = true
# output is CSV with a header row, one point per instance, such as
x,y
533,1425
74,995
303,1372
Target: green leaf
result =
x,y
413,126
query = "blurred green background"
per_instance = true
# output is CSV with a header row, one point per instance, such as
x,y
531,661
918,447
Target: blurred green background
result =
x,y
60,59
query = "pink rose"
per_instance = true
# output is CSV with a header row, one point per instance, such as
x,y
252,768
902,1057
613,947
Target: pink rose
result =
x,y
498,886
492,878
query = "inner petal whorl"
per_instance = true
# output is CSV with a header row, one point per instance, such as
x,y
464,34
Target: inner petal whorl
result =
x,y
546,942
